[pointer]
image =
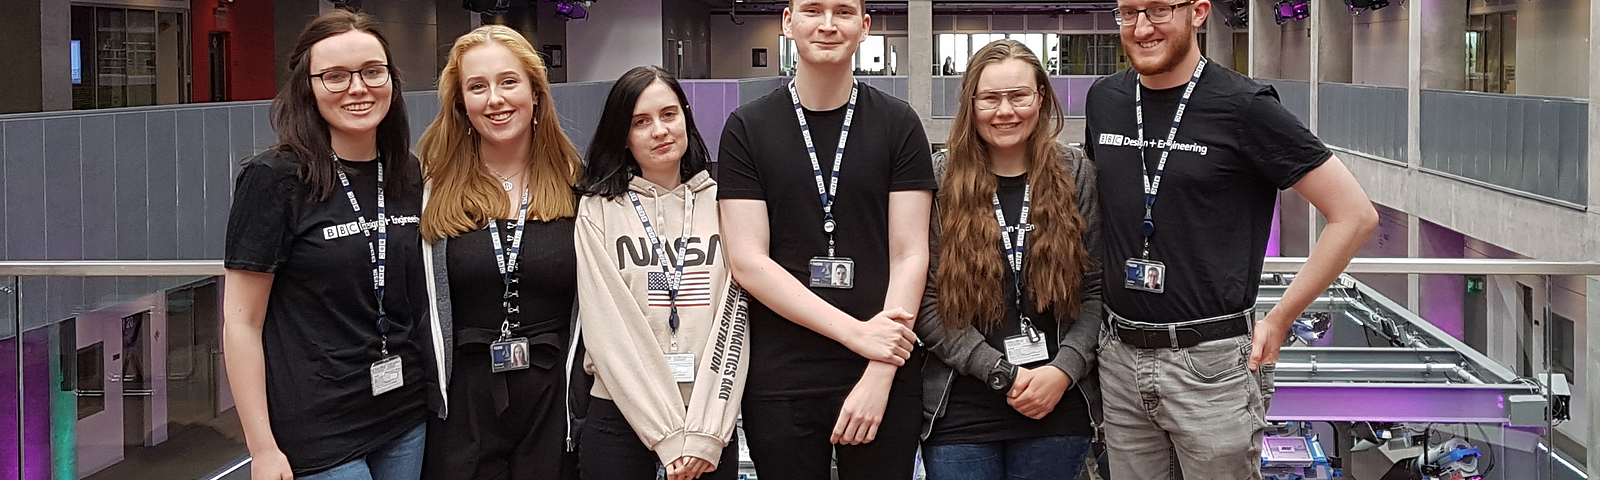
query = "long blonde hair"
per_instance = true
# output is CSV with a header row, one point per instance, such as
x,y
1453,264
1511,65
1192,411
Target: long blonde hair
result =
x,y
970,272
465,195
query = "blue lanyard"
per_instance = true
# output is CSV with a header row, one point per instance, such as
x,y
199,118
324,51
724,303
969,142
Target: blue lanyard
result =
x,y
675,270
1013,253
829,191
506,259
378,253
1153,183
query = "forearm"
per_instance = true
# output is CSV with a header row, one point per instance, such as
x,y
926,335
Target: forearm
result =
x,y
908,275
878,374
247,377
768,282
1338,243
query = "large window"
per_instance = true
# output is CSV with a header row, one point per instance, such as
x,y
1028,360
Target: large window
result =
x,y
129,57
955,49
1092,54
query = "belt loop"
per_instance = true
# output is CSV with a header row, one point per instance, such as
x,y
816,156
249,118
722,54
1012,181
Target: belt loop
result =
x,y
1172,334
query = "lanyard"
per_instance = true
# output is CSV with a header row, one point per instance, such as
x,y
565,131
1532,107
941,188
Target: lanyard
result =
x,y
377,253
675,271
506,259
826,192
1013,253
1153,183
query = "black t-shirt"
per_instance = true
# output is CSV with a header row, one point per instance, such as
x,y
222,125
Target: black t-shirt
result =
x,y
764,157
547,280
1236,147
321,333
978,414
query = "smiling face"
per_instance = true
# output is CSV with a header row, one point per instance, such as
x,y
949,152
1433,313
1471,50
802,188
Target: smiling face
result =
x,y
826,32
658,131
498,94
358,109
1007,126
1157,48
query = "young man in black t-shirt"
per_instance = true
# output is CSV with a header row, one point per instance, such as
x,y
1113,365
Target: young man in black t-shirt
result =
x,y
820,376
1184,247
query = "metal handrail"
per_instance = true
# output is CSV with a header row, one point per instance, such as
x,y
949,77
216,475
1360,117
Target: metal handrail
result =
x,y
1440,266
111,268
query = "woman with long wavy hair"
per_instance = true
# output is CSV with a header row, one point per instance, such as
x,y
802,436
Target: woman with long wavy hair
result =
x,y
497,222
1012,312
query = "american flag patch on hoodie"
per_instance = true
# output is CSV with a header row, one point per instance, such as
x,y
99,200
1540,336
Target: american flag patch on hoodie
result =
x,y
694,292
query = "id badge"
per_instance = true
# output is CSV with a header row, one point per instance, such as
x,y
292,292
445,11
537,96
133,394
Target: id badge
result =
x,y
682,366
833,272
1146,275
509,354
387,375
1020,350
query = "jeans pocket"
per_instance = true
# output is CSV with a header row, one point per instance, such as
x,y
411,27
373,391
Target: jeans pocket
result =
x,y
1266,378
1217,360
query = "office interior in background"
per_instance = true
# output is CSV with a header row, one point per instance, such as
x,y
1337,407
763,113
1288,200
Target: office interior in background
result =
x,y
1458,343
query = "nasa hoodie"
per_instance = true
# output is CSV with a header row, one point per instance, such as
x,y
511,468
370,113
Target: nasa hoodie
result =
x,y
624,307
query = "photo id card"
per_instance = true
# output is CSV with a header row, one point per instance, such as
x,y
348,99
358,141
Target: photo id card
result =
x,y
833,272
1021,350
387,375
1146,275
682,366
509,354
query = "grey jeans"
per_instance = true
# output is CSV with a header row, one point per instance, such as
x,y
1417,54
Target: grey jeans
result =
x,y
1200,408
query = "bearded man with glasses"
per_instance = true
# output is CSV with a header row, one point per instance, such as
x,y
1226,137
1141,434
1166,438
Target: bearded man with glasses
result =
x,y
1186,364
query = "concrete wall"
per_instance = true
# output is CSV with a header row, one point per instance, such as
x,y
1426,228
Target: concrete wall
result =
x,y
19,40
619,35
731,45
1378,46
1552,48
1296,51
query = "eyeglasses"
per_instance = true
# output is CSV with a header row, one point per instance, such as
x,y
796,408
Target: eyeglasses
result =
x,y
336,81
1020,97
1158,14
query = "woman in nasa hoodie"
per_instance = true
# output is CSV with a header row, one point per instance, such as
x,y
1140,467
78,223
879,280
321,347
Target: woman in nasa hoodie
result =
x,y
664,324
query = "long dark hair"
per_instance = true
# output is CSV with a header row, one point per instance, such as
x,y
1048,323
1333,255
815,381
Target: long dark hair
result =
x,y
304,133
611,165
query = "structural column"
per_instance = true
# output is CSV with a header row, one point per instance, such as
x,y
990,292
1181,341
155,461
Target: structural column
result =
x,y
1266,41
1592,323
1219,36
35,37
1444,40
919,35
1330,50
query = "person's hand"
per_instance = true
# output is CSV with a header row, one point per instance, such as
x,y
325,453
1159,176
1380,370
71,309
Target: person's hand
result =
x,y
1035,392
688,468
271,465
862,412
1267,339
884,338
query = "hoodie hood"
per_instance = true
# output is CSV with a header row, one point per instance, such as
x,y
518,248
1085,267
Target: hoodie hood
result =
x,y
697,184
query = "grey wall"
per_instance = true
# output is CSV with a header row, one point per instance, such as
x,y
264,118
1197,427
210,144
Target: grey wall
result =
x,y
690,22
1552,54
19,47
1378,46
1364,118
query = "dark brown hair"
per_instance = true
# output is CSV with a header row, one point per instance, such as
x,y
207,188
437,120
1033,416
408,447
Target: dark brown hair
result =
x,y
970,272
304,133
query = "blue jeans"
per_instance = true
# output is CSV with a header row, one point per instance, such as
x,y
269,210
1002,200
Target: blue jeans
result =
x,y
399,459
1040,458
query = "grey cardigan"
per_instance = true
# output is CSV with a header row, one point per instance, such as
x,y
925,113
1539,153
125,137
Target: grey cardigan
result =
x,y
964,351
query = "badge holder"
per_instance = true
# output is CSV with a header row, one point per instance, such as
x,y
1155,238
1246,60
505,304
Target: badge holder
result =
x,y
833,272
508,353
1145,275
1026,347
388,373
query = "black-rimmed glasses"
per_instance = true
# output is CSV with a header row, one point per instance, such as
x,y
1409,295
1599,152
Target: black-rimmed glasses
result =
x,y
1158,14
336,81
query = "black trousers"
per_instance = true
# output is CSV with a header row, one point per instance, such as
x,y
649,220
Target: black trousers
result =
x,y
612,451
788,438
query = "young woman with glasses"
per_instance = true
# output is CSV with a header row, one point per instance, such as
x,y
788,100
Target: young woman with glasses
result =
x,y
323,300
1012,309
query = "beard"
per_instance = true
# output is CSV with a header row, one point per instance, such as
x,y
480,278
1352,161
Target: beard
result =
x,y
1176,47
